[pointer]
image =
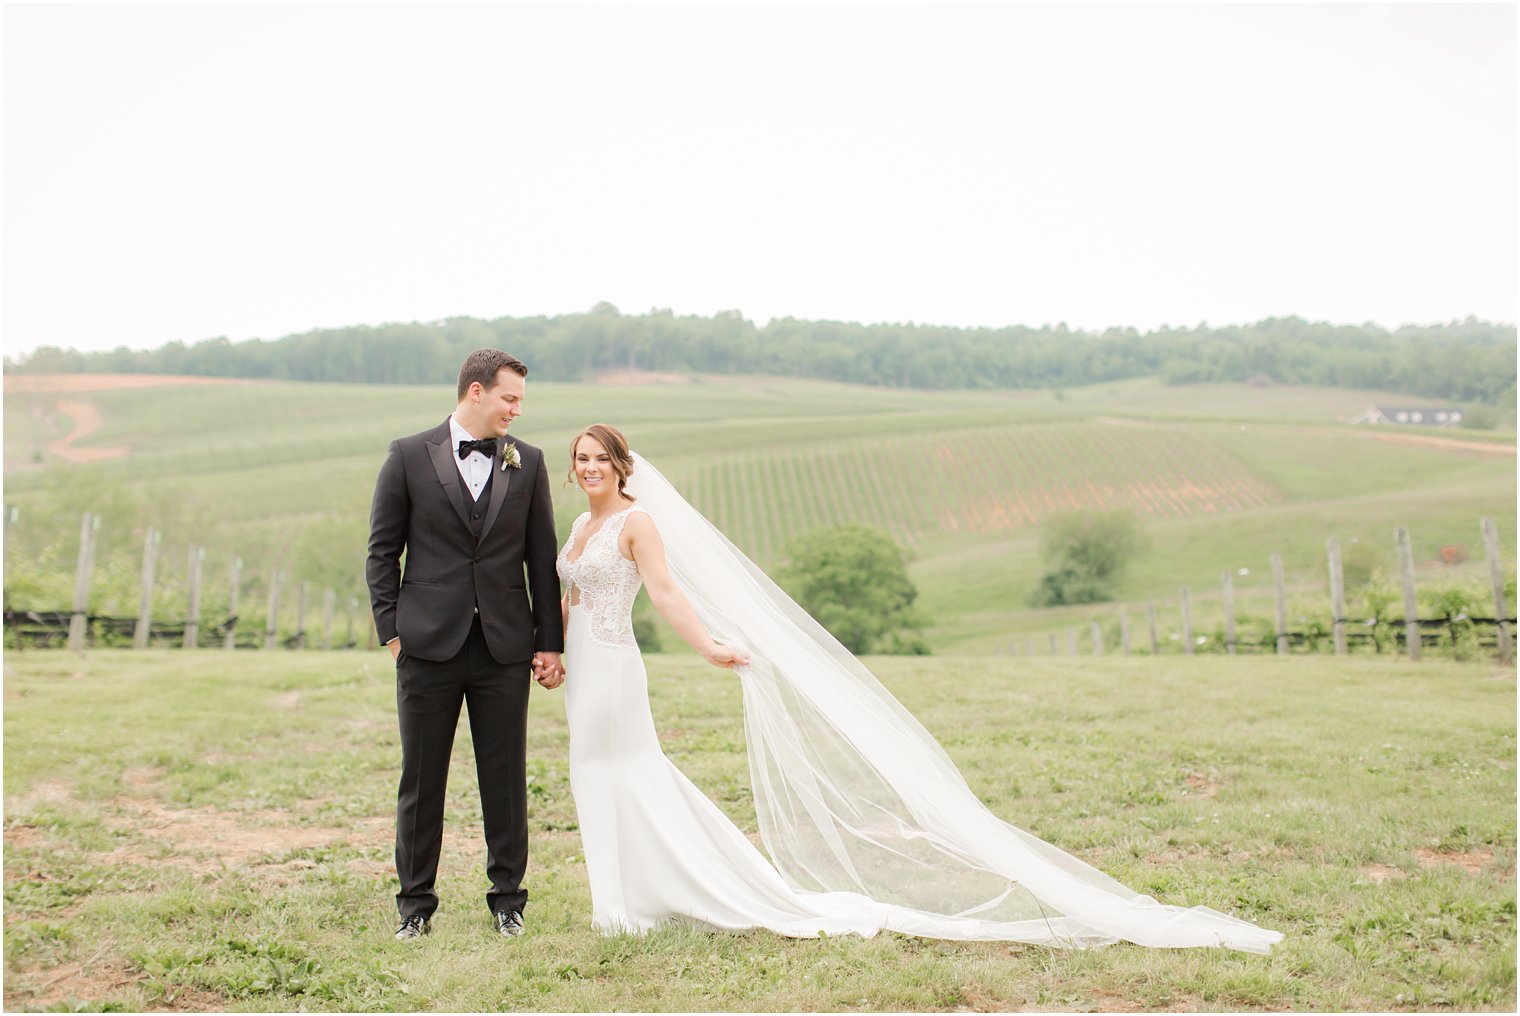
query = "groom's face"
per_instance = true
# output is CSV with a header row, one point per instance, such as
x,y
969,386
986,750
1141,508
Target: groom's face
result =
x,y
496,407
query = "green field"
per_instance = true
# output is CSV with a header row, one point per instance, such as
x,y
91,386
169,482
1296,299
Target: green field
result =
x,y
196,830
1221,475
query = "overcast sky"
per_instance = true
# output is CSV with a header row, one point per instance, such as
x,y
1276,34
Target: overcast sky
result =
x,y
183,172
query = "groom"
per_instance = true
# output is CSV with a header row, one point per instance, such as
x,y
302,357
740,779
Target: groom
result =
x,y
471,510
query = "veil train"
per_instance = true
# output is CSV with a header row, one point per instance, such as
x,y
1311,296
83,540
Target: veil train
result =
x,y
852,794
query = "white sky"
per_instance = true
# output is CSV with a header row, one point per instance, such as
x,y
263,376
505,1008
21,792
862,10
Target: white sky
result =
x,y
182,172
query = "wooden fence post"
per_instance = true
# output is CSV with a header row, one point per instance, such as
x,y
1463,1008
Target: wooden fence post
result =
x,y
1282,605
1496,578
353,608
193,614
329,599
1124,630
229,641
1029,647
1052,643
12,516
145,600
271,632
1097,639
1150,619
1337,594
1187,621
1229,613
1411,605
1071,642
79,621
301,615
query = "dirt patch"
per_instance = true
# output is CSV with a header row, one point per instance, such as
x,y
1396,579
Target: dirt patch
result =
x,y
1458,444
141,779
1470,861
43,792
87,419
377,869
204,840
1113,1001
111,382
84,980
1380,873
92,981
1200,785
23,837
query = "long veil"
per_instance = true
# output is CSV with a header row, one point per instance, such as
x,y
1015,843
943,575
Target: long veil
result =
x,y
852,794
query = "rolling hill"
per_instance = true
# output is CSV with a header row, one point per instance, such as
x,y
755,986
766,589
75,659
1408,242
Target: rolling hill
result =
x,y
280,473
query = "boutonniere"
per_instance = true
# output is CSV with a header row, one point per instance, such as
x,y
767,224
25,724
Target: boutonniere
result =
x,y
509,457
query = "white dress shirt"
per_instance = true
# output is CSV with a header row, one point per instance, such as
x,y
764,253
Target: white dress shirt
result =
x,y
474,470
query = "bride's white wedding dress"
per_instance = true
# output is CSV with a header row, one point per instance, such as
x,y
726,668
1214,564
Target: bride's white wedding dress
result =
x,y
655,846
868,824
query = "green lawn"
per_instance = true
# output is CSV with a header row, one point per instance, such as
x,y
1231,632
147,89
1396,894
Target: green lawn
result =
x,y
203,831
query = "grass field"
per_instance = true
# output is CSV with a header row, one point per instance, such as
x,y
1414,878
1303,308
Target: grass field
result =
x,y
1221,475
200,831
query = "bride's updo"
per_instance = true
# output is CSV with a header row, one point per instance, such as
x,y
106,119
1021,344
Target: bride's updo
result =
x,y
616,444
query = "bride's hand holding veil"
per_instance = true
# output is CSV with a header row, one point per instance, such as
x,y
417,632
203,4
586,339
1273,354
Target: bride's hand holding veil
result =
x,y
641,543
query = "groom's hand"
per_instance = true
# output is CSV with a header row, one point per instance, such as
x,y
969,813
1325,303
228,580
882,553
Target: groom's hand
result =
x,y
548,670
394,645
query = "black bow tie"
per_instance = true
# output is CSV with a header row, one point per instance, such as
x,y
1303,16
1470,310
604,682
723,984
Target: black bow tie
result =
x,y
485,446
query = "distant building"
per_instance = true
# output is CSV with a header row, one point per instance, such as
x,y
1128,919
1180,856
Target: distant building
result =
x,y
1425,416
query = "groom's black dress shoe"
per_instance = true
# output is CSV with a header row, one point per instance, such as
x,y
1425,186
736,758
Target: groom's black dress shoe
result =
x,y
509,923
413,926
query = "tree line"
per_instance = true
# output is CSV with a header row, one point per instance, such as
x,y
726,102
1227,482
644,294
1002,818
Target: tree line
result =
x,y
1469,361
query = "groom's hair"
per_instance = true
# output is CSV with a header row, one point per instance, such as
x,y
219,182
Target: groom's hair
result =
x,y
483,365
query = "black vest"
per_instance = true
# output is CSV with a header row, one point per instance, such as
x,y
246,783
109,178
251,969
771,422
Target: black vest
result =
x,y
478,509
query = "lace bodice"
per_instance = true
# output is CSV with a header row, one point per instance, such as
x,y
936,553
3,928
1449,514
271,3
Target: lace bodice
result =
x,y
602,581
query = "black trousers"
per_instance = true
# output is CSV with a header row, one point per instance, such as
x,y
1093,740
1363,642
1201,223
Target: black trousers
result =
x,y
428,696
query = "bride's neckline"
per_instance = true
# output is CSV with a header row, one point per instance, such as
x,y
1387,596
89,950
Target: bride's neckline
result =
x,y
592,535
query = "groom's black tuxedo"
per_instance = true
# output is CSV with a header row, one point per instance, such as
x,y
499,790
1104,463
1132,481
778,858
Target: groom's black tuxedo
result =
x,y
468,629
460,555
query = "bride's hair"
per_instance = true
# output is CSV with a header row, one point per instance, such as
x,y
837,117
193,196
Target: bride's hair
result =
x,y
616,444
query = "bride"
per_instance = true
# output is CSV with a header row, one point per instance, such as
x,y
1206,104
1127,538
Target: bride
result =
x,y
868,824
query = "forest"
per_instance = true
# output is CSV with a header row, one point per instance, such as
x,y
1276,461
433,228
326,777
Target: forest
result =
x,y
1470,360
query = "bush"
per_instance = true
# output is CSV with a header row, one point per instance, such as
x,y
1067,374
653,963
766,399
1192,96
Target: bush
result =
x,y
854,581
1086,554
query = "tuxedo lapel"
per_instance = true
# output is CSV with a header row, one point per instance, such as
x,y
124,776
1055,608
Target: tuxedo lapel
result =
x,y
498,495
439,447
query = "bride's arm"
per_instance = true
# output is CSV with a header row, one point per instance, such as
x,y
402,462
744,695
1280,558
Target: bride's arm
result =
x,y
647,550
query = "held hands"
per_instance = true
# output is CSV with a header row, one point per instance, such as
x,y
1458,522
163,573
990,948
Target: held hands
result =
x,y
548,670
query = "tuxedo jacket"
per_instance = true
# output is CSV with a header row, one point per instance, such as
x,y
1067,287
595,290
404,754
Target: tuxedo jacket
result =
x,y
423,507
